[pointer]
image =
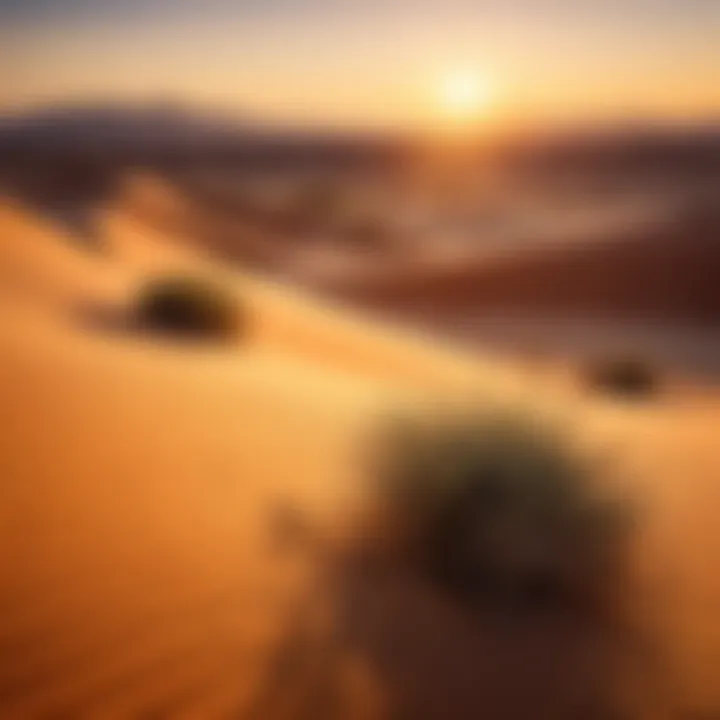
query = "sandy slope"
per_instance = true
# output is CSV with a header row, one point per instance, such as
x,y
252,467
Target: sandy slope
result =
x,y
138,495
38,261
284,320
228,233
149,569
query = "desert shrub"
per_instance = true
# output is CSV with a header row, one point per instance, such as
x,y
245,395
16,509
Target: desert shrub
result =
x,y
501,506
626,377
187,307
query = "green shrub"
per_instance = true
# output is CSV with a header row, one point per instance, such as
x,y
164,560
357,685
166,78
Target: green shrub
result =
x,y
500,506
189,308
624,377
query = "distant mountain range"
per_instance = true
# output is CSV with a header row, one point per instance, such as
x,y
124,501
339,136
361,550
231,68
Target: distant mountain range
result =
x,y
153,127
167,125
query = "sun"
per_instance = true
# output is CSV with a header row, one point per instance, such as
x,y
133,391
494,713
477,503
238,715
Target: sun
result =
x,y
463,95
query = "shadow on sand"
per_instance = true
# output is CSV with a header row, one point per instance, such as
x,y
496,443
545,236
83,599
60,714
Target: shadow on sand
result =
x,y
375,640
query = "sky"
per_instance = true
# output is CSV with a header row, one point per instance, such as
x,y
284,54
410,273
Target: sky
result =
x,y
368,62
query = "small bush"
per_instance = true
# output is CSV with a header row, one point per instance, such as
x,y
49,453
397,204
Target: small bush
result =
x,y
499,506
188,307
624,377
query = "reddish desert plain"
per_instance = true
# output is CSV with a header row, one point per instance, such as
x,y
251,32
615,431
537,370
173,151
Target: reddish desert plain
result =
x,y
152,565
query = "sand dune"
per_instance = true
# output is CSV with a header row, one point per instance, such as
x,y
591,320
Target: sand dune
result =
x,y
38,260
665,271
231,234
140,567
285,320
139,487
143,560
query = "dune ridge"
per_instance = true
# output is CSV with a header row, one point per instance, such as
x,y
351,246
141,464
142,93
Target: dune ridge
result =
x,y
663,272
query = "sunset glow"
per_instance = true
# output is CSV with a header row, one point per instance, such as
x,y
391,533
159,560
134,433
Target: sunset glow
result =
x,y
376,64
464,96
